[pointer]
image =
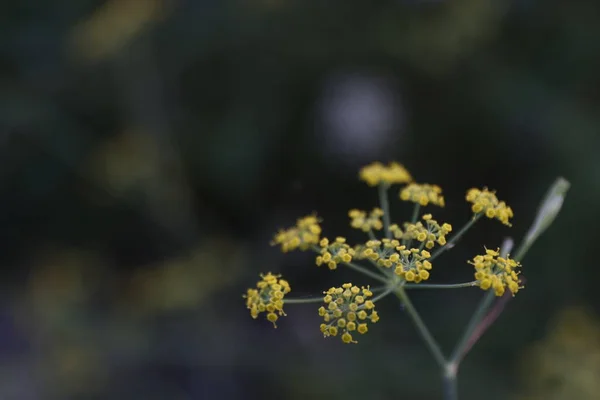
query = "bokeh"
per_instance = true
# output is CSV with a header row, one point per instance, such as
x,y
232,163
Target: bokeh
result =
x,y
151,148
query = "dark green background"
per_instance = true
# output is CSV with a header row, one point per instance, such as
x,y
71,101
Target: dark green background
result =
x,y
140,186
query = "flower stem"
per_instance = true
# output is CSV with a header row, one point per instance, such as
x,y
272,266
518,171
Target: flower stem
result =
x,y
450,382
440,286
362,270
415,214
432,344
381,295
455,237
484,305
385,207
385,290
306,300
366,272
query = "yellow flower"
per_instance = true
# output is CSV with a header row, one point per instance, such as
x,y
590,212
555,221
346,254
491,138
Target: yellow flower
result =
x,y
413,265
423,194
305,234
267,297
496,273
486,202
332,254
430,233
376,173
361,221
383,252
347,310
396,231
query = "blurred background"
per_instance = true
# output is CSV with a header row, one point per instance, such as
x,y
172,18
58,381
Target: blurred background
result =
x,y
151,148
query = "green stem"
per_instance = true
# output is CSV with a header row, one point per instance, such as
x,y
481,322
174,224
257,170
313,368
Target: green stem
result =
x,y
385,206
455,237
366,272
440,286
450,383
358,268
522,250
371,235
422,328
303,301
385,290
415,214
381,295
484,305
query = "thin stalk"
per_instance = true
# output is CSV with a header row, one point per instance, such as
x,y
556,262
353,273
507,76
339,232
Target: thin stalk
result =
x,y
415,214
385,290
432,344
358,268
303,301
371,235
455,237
413,220
440,286
385,206
484,305
366,272
381,295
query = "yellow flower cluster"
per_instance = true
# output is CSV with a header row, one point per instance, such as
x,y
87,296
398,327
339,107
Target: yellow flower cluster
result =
x,y
423,194
364,222
383,252
347,310
413,265
302,236
334,253
495,272
396,231
487,203
376,173
267,297
430,233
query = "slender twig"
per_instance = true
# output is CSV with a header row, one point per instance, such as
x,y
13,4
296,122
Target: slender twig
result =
x,y
385,207
415,215
484,305
366,272
432,344
487,321
455,237
307,300
386,292
371,235
440,286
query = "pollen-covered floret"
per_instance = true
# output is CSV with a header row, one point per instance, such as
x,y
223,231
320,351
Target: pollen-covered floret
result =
x,y
333,253
496,273
302,236
485,202
383,252
376,173
396,231
423,194
347,310
372,221
267,297
429,233
413,265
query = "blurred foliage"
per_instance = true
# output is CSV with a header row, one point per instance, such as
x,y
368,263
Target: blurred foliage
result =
x,y
150,149
566,363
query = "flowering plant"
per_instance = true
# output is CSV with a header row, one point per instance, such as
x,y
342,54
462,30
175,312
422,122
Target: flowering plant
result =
x,y
401,258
